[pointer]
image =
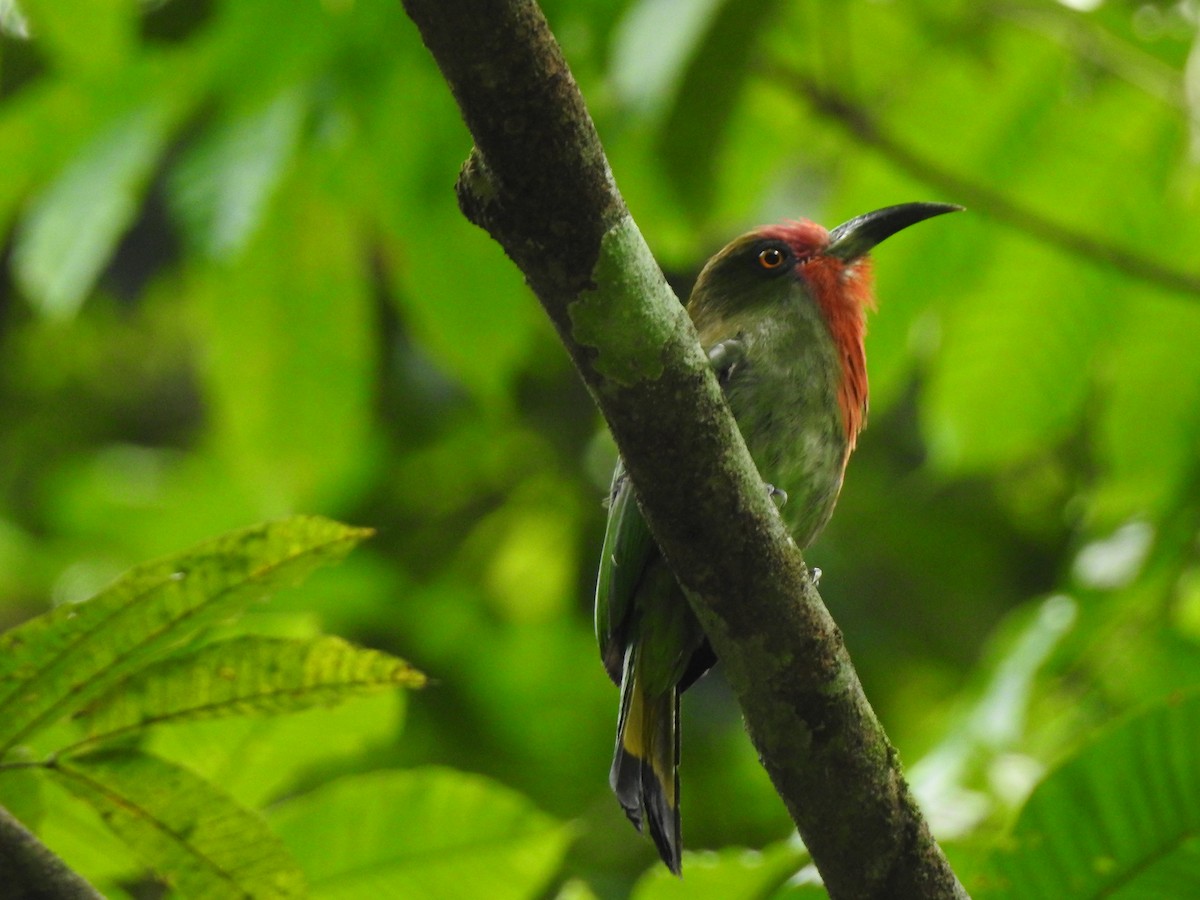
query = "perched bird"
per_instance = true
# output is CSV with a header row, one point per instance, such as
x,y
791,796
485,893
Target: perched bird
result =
x,y
781,312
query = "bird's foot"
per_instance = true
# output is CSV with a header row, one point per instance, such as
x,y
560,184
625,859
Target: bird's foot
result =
x,y
723,356
814,575
778,495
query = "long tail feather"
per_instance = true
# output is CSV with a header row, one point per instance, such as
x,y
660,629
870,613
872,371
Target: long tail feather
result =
x,y
645,768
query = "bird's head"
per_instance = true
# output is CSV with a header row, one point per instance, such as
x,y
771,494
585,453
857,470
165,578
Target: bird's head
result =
x,y
800,261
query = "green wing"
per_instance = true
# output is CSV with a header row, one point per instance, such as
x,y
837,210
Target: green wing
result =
x,y
628,547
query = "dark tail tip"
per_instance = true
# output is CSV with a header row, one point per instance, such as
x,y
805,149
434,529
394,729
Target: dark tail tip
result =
x,y
646,755
663,822
641,795
625,779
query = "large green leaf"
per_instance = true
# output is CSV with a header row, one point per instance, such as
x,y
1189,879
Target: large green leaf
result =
x,y
425,833
947,779
465,304
79,836
221,188
473,316
717,68
71,231
84,34
1149,426
290,355
1119,819
258,759
31,130
244,676
1023,361
730,874
56,664
183,827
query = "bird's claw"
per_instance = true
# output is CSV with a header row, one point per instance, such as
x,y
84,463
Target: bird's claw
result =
x,y
814,575
778,495
724,355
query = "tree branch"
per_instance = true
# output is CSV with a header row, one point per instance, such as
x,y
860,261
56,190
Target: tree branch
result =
x,y
30,871
539,183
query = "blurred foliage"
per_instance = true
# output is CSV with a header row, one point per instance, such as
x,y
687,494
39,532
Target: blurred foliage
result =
x,y
235,286
142,654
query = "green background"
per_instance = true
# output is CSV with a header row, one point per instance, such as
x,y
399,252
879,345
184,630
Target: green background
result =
x,y
235,285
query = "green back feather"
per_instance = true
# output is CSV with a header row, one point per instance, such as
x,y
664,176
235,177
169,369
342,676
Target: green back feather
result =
x,y
628,547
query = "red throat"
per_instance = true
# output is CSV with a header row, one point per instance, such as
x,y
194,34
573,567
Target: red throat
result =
x,y
843,291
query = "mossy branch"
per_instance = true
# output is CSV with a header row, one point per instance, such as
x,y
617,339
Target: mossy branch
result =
x,y
538,182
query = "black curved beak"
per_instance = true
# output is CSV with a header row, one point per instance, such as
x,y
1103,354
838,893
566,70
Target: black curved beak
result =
x,y
855,238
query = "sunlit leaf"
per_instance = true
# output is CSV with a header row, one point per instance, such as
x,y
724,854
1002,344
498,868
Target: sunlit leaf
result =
x,y
1149,428
730,874
259,759
56,664
245,676
1023,361
422,833
652,46
69,235
88,34
1119,819
947,778
289,352
222,186
717,68
183,827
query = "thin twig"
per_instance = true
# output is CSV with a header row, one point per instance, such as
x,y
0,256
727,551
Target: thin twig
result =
x,y
867,130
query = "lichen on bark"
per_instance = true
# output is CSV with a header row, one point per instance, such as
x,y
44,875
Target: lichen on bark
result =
x,y
614,319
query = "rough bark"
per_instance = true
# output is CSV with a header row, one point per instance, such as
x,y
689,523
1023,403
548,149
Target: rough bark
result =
x,y
538,182
29,871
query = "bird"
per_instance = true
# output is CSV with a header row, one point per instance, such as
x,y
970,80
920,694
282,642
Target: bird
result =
x,y
781,313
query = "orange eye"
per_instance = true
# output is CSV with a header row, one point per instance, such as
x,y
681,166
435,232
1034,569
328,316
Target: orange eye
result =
x,y
771,258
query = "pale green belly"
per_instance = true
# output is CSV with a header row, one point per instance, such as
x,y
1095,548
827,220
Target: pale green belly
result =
x,y
794,430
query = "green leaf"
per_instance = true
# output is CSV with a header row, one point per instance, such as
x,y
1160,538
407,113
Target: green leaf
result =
x,y
1003,390
85,34
711,87
728,874
257,760
290,354
222,186
652,45
54,665
472,314
183,827
1149,428
22,795
69,235
423,833
245,676
992,722
480,337
78,834
1119,819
